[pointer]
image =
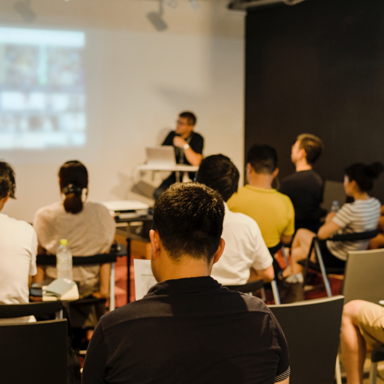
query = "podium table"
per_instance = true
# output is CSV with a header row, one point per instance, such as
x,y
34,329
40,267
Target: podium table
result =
x,y
168,168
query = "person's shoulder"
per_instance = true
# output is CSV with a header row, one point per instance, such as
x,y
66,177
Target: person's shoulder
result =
x,y
239,219
288,179
21,225
50,210
254,304
197,135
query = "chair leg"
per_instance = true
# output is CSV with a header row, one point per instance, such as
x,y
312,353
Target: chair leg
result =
x,y
285,256
373,373
275,292
337,370
112,288
263,296
322,268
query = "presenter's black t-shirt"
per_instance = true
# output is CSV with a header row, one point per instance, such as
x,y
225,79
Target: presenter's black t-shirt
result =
x,y
195,140
188,331
305,189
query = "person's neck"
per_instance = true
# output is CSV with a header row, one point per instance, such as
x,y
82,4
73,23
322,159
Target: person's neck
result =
x,y
361,196
260,180
186,135
188,268
302,165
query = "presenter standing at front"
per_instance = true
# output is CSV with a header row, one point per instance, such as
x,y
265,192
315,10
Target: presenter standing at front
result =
x,y
188,148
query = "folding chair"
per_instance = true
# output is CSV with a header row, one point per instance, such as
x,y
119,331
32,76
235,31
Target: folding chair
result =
x,y
249,288
8,311
312,330
103,258
320,267
34,352
364,281
276,268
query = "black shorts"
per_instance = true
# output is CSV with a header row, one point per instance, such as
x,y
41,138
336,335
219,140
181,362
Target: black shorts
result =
x,y
329,259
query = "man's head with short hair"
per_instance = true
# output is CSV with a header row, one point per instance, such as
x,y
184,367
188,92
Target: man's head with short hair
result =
x,y
219,173
7,180
189,116
187,225
185,123
262,158
311,145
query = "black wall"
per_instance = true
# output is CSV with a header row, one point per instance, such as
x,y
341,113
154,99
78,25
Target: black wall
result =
x,y
318,67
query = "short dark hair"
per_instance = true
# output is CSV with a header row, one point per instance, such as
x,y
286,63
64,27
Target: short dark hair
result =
x,y
312,146
189,218
7,180
219,173
73,176
263,158
191,118
364,175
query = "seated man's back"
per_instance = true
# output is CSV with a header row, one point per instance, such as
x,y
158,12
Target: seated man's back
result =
x,y
189,331
272,211
188,328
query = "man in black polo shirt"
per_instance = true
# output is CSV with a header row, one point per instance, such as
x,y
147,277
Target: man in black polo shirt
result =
x,y
188,148
188,328
305,186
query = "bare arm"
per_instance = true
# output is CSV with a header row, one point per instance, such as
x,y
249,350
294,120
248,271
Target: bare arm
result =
x,y
105,270
193,157
266,275
286,381
329,228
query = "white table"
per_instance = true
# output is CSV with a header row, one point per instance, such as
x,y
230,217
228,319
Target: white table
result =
x,y
170,168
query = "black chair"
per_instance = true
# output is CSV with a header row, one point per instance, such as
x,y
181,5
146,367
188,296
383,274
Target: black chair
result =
x,y
320,267
249,288
102,258
8,311
277,269
34,352
312,330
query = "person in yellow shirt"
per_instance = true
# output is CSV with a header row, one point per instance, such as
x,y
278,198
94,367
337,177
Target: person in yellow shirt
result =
x,y
273,211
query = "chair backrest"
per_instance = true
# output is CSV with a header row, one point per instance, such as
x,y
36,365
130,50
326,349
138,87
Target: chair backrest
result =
x,y
34,352
252,286
333,190
30,309
312,330
363,279
79,260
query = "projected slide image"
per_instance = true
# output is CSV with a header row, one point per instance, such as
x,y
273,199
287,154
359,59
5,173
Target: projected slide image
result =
x,y
42,89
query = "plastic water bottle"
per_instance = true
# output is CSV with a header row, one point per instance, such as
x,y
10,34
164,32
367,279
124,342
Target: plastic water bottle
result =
x,y
335,206
64,260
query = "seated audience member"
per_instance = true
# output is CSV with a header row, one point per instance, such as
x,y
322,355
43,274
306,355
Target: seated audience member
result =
x,y
378,241
305,187
18,247
360,216
188,147
188,328
245,257
271,210
362,323
88,227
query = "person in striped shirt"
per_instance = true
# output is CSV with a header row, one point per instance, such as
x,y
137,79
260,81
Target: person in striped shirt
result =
x,y
360,216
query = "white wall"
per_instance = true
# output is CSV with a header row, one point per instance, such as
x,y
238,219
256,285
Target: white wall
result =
x,y
138,80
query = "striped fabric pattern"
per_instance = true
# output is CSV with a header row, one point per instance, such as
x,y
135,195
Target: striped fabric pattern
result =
x,y
283,375
359,216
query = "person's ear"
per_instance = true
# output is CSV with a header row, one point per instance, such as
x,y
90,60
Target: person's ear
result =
x,y
155,243
219,252
275,173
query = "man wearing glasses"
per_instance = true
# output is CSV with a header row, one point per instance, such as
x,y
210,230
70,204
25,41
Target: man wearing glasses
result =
x,y
188,148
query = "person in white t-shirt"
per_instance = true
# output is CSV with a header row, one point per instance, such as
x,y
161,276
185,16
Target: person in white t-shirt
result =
x,y
246,257
18,248
89,229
